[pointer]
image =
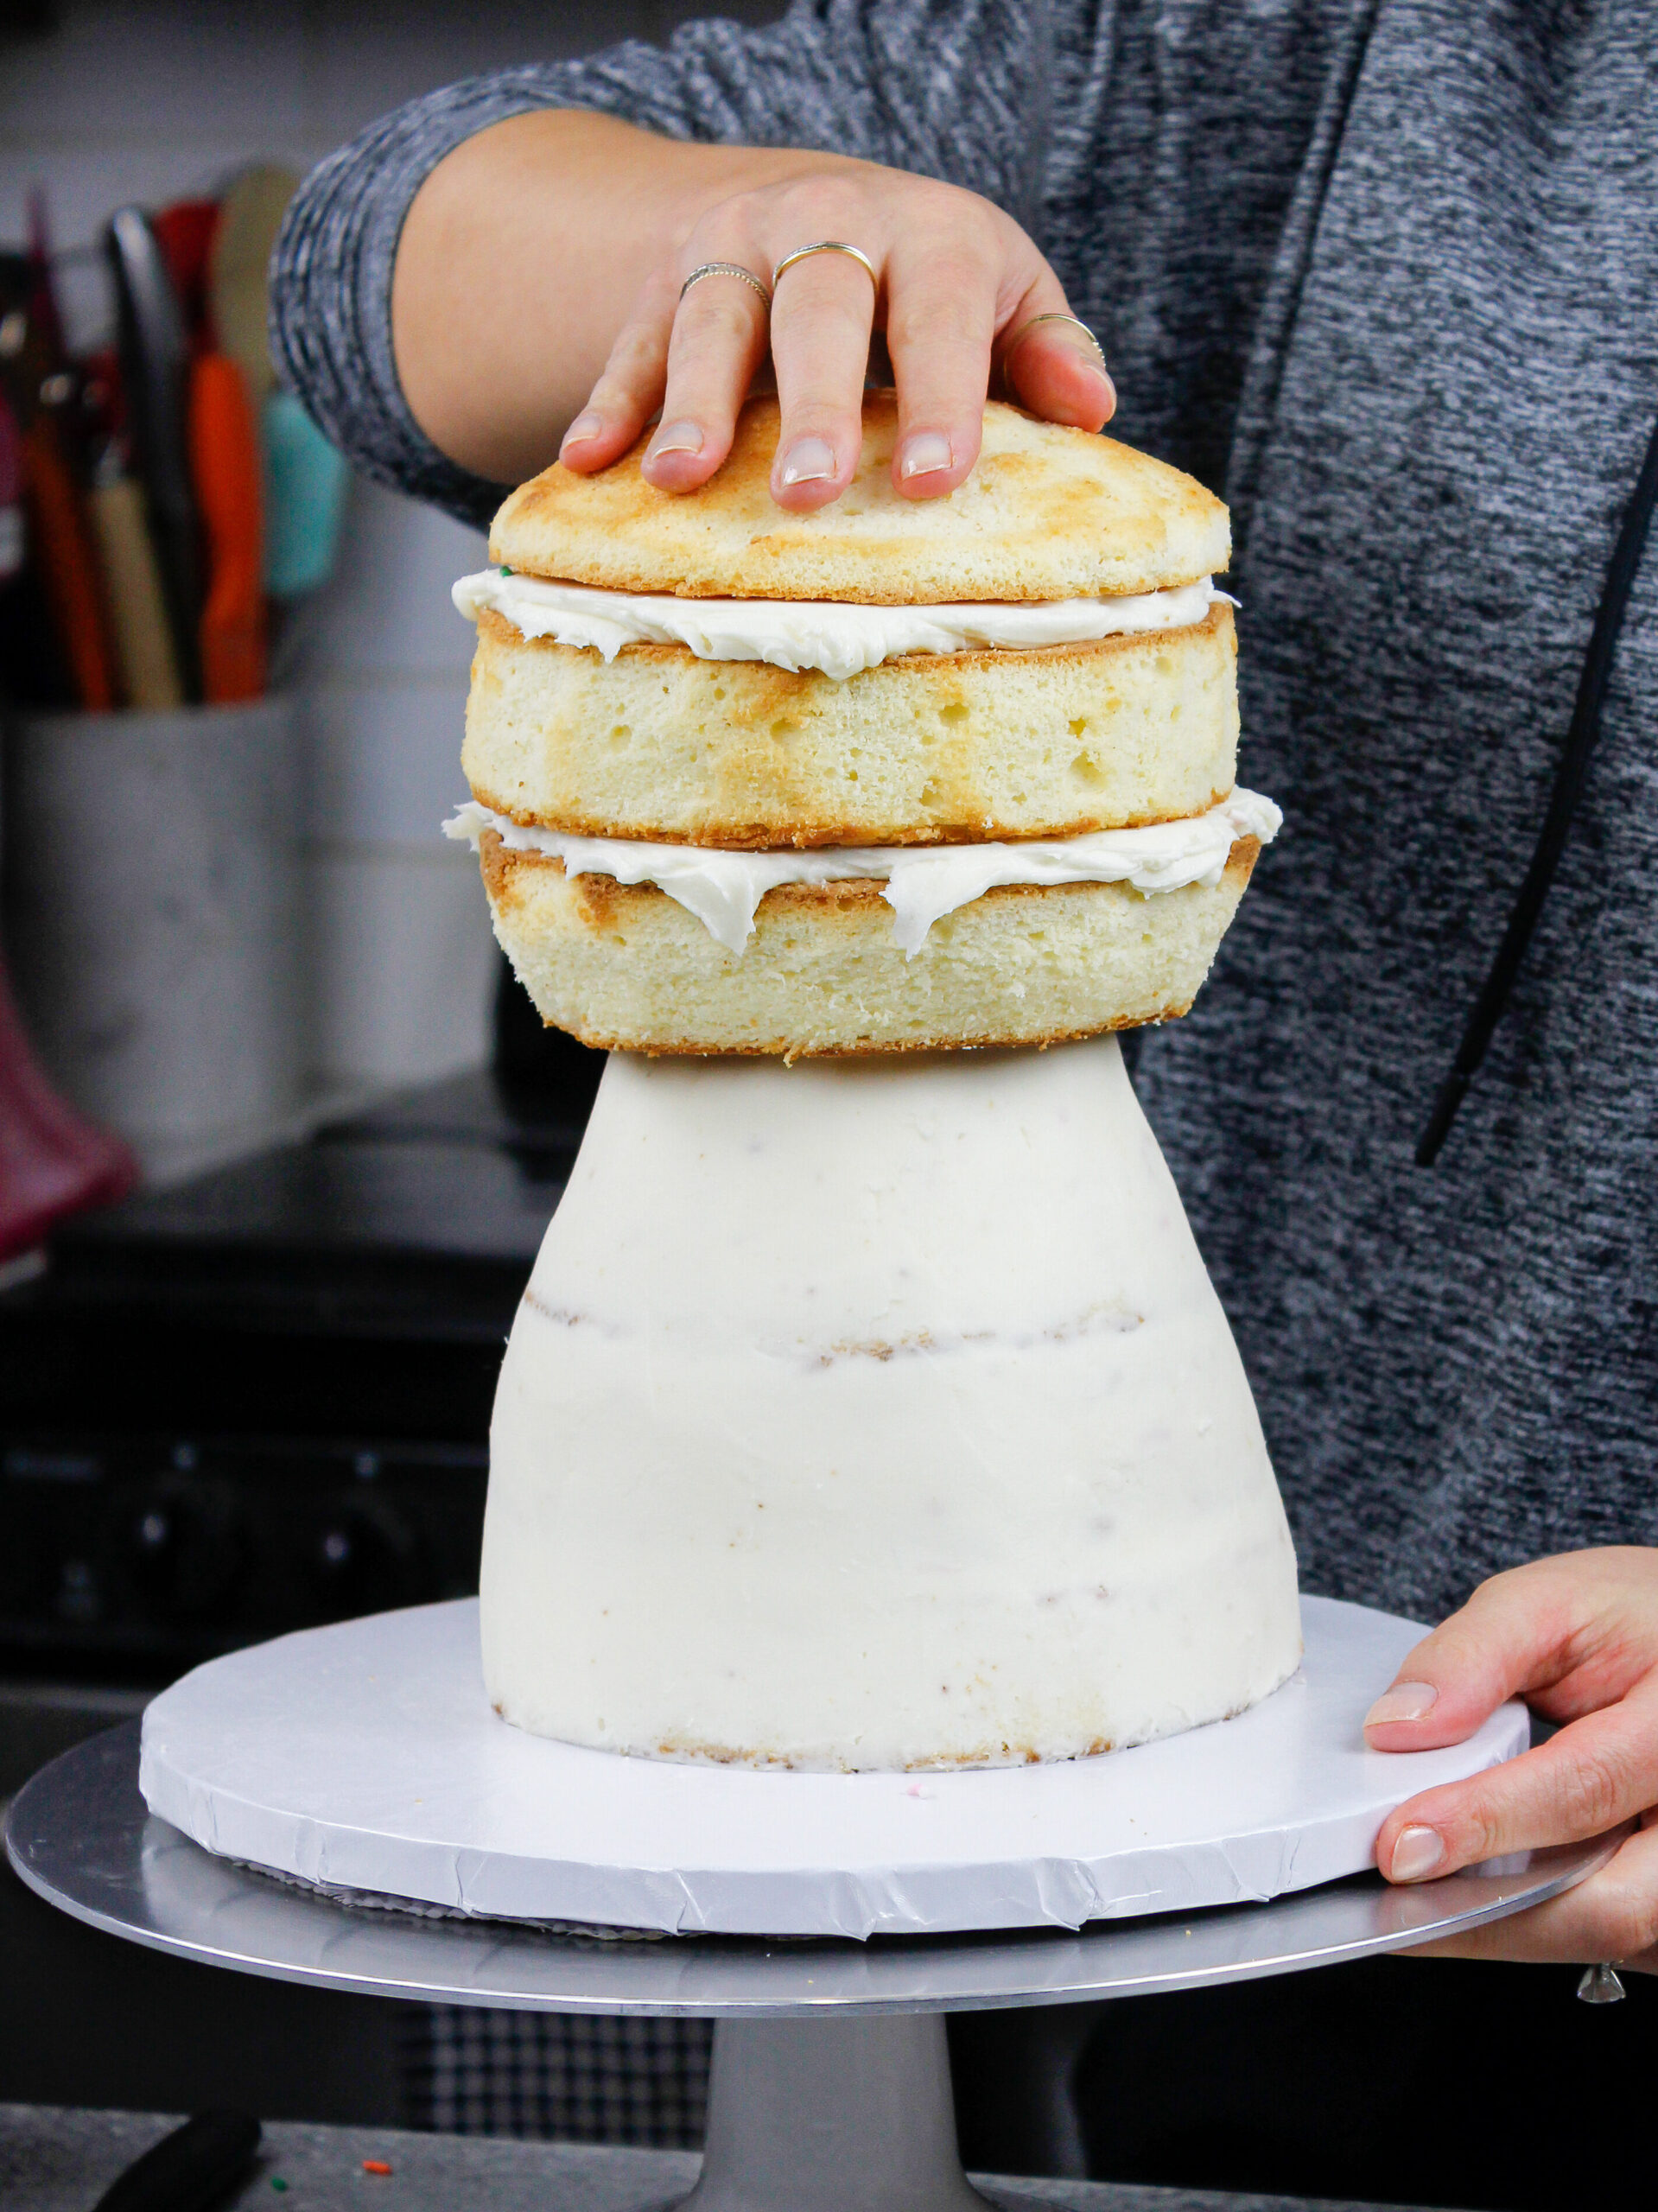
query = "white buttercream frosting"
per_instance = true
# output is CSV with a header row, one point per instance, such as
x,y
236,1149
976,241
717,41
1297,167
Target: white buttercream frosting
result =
x,y
876,1414
837,639
924,882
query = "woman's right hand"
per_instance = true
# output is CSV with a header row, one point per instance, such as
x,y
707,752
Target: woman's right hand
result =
x,y
960,285
556,241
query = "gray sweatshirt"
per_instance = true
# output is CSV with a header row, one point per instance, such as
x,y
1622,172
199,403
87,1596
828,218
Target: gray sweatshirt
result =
x,y
1384,273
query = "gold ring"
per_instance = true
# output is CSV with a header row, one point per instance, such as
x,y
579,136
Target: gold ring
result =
x,y
1025,328
825,246
725,269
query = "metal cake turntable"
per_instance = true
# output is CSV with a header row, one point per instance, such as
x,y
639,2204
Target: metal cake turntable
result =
x,y
830,2083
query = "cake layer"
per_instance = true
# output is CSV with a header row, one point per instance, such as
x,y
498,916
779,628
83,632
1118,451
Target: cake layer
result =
x,y
1049,512
877,1416
660,743
626,966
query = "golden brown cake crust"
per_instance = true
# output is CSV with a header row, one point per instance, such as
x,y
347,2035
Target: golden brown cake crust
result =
x,y
1049,512
622,966
931,748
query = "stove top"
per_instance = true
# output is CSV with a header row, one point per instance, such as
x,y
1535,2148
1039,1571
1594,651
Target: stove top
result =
x,y
262,1398
421,1217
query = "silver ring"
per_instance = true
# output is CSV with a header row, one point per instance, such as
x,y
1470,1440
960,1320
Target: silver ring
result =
x,y
725,269
825,246
1025,328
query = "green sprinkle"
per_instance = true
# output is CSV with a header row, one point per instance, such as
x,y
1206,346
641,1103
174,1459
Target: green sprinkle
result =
x,y
278,2185
506,571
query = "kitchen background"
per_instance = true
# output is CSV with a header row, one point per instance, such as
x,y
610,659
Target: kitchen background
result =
x,y
101,104
239,1403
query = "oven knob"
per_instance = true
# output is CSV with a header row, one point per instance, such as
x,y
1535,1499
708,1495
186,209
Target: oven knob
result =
x,y
25,1579
185,1548
364,1558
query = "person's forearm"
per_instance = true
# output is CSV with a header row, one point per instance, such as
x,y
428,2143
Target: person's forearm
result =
x,y
520,259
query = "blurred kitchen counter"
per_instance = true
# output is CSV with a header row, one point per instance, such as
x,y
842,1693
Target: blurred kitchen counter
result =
x,y
60,2160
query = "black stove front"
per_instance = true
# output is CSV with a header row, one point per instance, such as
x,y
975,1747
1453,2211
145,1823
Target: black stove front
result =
x,y
261,1400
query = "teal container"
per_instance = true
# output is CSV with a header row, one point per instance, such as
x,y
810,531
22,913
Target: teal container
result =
x,y
305,481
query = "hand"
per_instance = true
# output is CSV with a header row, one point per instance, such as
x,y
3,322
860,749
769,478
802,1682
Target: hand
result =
x,y
959,284
1577,1637
549,251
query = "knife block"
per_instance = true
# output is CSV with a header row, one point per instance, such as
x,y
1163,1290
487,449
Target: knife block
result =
x,y
154,919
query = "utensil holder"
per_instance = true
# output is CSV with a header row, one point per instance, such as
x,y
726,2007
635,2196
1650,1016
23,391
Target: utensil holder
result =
x,y
154,919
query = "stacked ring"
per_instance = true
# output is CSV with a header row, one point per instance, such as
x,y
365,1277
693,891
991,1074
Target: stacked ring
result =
x,y
826,245
725,269
1025,328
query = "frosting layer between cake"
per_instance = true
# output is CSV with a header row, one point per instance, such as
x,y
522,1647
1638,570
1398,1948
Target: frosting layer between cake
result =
x,y
924,882
838,638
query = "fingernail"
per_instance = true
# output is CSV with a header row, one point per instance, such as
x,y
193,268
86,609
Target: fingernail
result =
x,y
809,461
1404,1701
925,454
585,426
676,437
1417,1853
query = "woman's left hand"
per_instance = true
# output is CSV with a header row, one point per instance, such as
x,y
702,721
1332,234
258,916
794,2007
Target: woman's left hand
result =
x,y
1576,1637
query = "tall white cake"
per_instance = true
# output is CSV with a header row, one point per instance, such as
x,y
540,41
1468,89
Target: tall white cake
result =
x,y
877,1414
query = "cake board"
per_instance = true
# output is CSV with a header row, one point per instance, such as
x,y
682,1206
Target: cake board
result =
x,y
366,1757
830,2090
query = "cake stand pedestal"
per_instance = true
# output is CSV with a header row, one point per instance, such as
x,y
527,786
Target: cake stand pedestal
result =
x,y
830,2090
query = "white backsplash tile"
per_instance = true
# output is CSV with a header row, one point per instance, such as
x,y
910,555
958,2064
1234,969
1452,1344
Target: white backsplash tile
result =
x,y
403,960
384,759
85,183
388,608
116,69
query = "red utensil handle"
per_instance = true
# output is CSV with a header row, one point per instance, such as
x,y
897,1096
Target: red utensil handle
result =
x,y
225,470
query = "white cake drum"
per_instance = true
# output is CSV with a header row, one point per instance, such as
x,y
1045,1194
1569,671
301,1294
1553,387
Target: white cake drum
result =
x,y
366,1757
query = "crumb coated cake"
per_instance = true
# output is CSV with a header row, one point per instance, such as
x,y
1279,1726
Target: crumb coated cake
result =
x,y
877,1414
1037,673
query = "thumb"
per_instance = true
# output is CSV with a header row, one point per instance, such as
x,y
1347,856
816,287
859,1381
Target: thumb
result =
x,y
1509,1636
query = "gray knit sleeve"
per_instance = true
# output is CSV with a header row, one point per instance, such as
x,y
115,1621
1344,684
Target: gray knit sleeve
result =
x,y
930,85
